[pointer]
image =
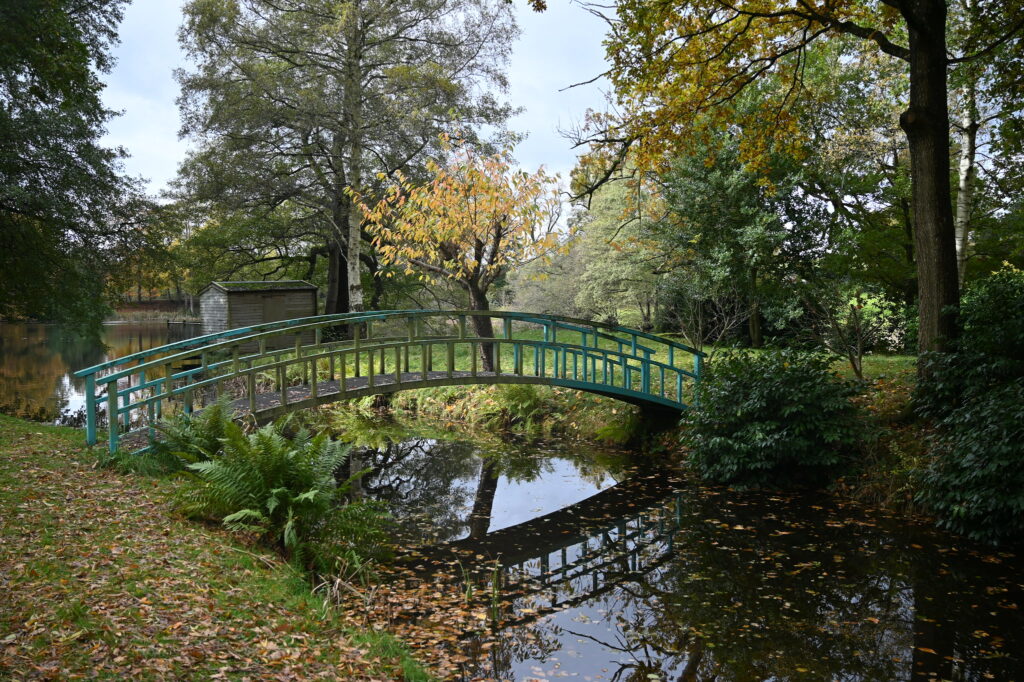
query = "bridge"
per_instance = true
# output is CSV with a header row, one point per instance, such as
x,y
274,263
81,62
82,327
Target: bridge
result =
x,y
569,556
271,369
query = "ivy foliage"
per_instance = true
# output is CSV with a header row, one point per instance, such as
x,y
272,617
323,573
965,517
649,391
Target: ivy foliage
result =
x,y
776,418
975,397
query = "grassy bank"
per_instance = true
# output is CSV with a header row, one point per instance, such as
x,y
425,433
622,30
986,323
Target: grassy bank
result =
x,y
99,576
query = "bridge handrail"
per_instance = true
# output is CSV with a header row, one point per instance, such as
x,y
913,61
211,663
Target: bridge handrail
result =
x,y
246,334
620,359
627,345
282,325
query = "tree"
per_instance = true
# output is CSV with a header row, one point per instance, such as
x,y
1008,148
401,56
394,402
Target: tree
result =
x,y
623,264
727,230
64,203
676,62
294,102
473,221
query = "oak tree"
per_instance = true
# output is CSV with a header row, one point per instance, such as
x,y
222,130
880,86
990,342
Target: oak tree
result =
x,y
294,102
64,201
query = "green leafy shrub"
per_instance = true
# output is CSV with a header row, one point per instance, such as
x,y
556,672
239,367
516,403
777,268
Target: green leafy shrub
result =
x,y
773,418
975,396
513,404
285,490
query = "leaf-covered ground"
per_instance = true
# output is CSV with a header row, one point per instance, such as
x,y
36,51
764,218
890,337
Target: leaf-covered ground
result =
x,y
99,578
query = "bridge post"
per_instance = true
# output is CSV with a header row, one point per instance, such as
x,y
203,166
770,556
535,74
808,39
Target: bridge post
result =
x,y
355,344
113,419
90,409
250,390
150,411
342,372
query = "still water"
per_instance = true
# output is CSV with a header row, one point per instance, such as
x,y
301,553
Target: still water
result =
x,y
37,362
609,572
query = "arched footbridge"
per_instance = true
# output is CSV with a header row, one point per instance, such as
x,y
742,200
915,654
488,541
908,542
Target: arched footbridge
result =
x,y
270,369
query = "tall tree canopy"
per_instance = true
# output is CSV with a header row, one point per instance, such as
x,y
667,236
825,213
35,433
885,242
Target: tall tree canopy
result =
x,y
679,66
64,204
295,102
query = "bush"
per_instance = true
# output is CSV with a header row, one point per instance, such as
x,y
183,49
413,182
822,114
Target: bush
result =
x,y
285,490
975,396
184,439
775,418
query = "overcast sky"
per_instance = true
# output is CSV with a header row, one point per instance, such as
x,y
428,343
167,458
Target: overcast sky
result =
x,y
557,48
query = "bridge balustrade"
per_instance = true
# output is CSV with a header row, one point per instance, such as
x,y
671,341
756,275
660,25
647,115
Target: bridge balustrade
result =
x,y
270,369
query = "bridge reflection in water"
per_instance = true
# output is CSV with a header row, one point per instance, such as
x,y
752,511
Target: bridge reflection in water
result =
x,y
574,554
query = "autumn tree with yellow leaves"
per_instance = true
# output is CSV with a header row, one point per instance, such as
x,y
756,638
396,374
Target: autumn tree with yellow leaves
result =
x,y
474,220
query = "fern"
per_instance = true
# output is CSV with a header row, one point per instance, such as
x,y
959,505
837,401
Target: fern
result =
x,y
188,438
285,490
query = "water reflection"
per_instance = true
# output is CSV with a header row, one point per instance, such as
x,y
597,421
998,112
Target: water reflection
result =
x,y
769,588
37,362
442,489
659,578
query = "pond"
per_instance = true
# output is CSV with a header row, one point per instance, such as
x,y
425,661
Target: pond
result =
x,y
591,568
37,362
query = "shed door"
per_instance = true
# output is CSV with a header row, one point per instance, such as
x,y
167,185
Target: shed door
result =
x,y
274,308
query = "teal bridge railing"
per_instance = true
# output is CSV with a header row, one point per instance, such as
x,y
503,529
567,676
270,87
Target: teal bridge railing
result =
x,y
270,369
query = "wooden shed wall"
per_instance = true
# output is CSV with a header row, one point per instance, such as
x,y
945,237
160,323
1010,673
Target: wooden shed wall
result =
x,y
233,309
213,307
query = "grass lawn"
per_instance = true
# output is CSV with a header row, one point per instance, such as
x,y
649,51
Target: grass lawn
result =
x,y
99,577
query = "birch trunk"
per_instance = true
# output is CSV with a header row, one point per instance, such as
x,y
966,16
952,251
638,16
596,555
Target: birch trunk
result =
x,y
968,168
353,102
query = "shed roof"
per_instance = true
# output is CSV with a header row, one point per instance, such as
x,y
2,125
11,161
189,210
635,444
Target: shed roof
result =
x,y
256,286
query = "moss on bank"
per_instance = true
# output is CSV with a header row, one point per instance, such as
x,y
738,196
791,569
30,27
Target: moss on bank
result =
x,y
99,577
539,410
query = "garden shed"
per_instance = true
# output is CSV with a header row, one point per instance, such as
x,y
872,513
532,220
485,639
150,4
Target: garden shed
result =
x,y
230,305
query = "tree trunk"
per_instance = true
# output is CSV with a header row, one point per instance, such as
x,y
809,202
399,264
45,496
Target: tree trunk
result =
x,y
965,187
482,325
754,325
926,124
483,503
337,280
355,242
352,102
